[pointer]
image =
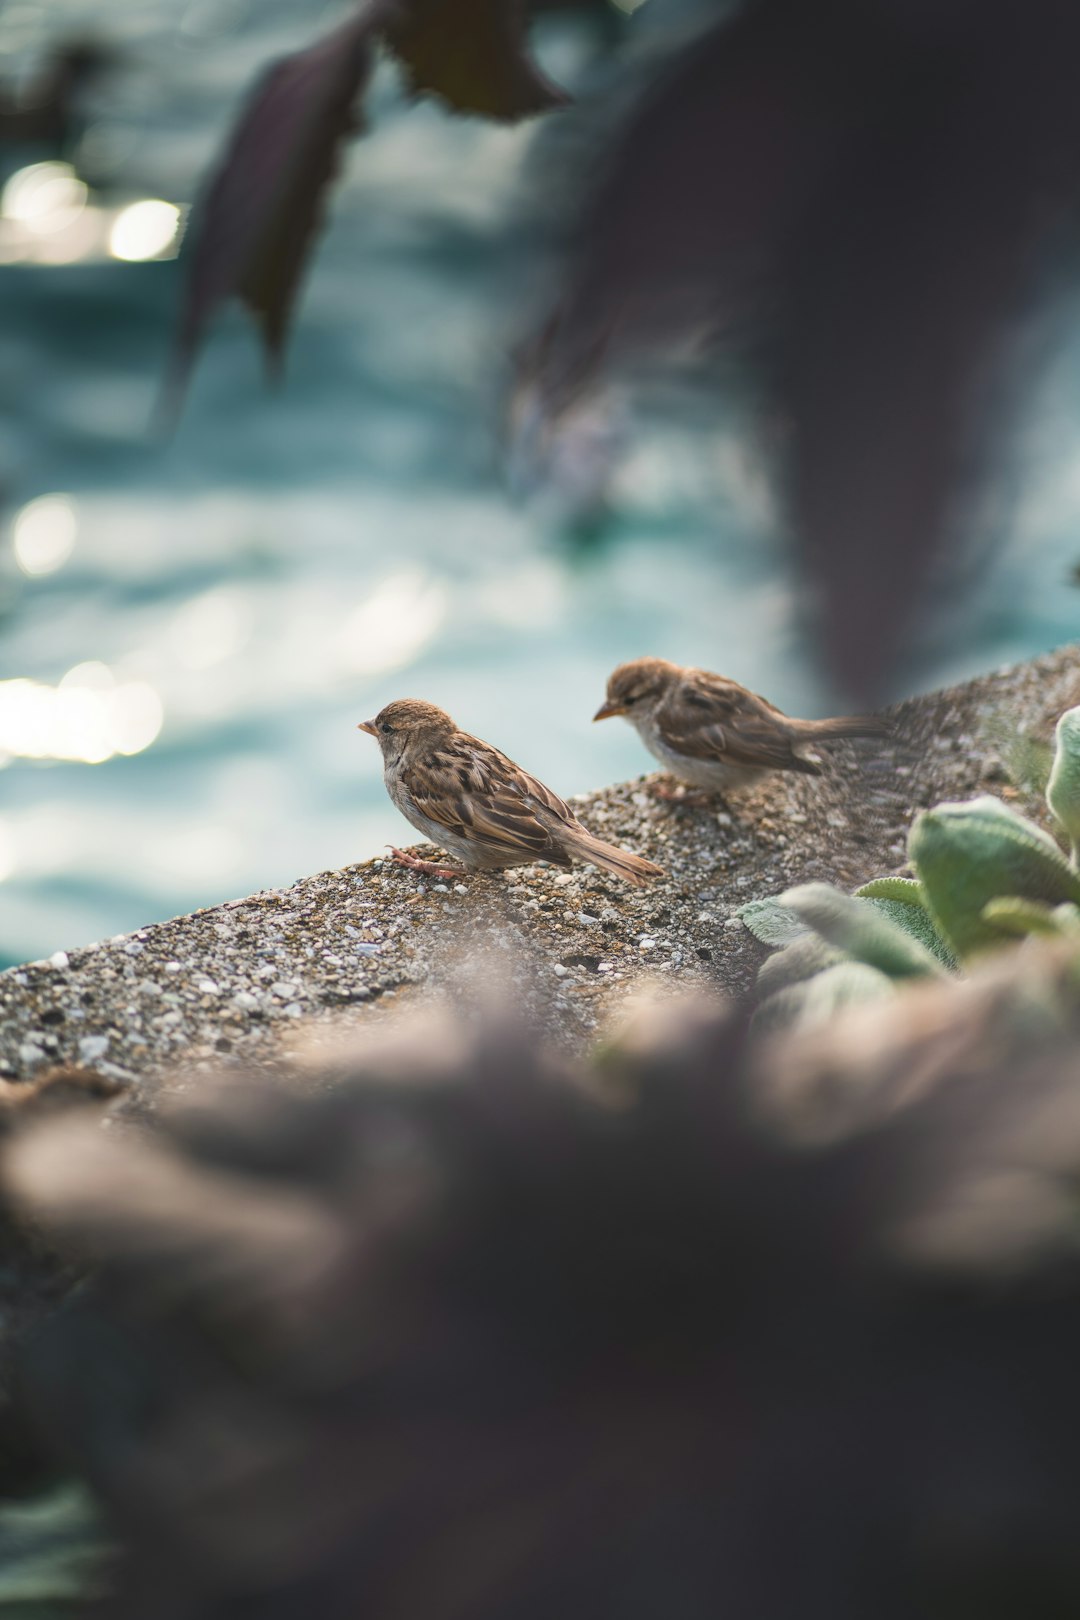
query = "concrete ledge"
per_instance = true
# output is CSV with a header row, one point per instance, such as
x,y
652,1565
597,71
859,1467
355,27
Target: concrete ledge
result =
x,y
238,979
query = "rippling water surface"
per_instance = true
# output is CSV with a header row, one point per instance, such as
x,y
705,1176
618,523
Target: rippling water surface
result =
x,y
195,627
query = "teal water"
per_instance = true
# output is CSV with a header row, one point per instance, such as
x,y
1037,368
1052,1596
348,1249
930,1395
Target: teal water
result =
x,y
293,559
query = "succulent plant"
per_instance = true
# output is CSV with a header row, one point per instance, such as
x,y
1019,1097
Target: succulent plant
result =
x,y
984,876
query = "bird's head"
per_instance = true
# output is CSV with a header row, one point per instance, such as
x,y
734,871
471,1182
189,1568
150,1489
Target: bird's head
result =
x,y
635,689
404,723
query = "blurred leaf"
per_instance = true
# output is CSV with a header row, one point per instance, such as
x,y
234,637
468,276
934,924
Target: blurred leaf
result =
x,y
471,54
1024,917
970,854
252,231
1026,759
771,922
818,999
53,1554
800,960
1063,788
861,929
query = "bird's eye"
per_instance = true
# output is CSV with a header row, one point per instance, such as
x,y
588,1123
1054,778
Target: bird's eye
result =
x,y
385,729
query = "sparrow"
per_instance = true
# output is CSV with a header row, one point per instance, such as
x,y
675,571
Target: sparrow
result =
x,y
712,732
470,799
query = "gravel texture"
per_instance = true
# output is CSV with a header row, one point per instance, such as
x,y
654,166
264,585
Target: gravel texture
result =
x,y
238,980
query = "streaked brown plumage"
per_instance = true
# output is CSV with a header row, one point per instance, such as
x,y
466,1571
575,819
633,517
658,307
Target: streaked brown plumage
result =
x,y
712,732
472,800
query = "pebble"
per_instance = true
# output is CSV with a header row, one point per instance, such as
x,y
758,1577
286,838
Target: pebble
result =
x,y
93,1047
59,959
560,971
30,1055
459,888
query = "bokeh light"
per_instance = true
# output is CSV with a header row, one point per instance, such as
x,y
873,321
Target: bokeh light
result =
x,y
388,630
43,535
88,717
45,196
144,230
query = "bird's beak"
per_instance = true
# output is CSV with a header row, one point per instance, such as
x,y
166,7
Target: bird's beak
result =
x,y
607,710
369,727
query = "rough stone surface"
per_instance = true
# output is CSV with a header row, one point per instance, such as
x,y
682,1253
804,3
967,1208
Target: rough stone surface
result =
x,y
239,979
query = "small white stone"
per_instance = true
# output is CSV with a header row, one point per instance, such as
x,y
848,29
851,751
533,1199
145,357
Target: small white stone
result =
x,y
284,988
442,888
460,888
92,1047
560,971
646,944
208,987
30,1055
244,1001
59,959
294,1010
173,967
605,967
734,922
587,918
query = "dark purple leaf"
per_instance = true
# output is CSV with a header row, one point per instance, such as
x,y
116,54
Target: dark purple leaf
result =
x,y
254,228
863,196
471,54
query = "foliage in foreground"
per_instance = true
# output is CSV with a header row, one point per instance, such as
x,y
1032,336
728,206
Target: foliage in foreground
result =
x,y
984,877
711,1324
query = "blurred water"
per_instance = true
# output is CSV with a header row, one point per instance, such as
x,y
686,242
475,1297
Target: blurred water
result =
x,y
294,559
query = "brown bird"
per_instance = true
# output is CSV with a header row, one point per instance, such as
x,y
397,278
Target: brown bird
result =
x,y
468,798
712,732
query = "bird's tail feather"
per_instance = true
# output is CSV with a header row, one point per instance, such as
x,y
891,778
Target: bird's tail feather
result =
x,y
634,868
847,725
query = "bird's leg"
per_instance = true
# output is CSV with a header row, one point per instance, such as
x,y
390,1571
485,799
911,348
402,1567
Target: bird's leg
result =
x,y
677,794
401,857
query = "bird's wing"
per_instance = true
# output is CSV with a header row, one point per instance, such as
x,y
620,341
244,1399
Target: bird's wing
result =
x,y
474,791
708,717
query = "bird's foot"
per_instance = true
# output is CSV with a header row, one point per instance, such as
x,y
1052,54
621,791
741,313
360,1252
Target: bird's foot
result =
x,y
401,857
675,794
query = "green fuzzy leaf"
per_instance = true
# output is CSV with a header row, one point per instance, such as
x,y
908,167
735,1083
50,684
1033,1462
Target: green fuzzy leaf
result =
x,y
771,922
800,960
1063,788
918,922
1022,917
969,854
816,1000
909,891
859,928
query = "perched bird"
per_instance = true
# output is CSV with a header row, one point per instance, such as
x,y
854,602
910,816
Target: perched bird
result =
x,y
712,732
473,801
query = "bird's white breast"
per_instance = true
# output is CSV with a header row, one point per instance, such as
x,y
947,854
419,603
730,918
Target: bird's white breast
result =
x,y
711,774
